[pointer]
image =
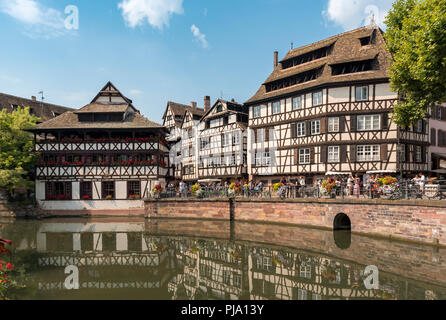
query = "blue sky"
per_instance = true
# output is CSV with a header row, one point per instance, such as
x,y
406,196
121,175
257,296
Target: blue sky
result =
x,y
156,51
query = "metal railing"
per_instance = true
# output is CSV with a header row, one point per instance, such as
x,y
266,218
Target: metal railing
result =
x,y
401,191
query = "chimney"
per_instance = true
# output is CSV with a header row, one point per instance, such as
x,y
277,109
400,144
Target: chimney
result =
x,y
207,103
276,58
193,105
33,98
233,100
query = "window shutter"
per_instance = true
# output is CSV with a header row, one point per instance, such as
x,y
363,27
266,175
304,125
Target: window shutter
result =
x,y
312,155
425,127
423,154
324,123
255,135
266,134
294,130
352,153
342,124
308,127
343,153
296,156
407,150
384,121
414,154
353,123
383,150
433,137
323,155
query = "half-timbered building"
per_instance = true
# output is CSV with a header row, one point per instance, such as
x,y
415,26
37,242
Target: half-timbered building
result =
x,y
103,156
45,111
327,107
189,143
223,142
437,149
173,120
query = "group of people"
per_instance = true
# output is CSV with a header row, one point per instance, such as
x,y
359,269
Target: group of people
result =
x,y
351,185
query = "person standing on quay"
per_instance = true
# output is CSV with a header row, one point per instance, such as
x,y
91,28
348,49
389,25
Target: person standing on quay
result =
x,y
182,187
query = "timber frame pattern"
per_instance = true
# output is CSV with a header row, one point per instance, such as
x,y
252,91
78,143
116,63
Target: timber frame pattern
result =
x,y
298,114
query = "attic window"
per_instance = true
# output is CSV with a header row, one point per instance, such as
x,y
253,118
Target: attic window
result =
x,y
365,41
353,67
56,114
293,80
219,109
307,57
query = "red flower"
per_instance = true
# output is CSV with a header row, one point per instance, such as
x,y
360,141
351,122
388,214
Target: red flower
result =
x,y
9,266
5,241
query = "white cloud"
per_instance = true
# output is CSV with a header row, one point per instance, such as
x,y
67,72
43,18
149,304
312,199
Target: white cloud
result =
x,y
156,12
40,21
135,92
353,14
199,36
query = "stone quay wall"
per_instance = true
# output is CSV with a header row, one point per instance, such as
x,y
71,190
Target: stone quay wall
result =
x,y
419,221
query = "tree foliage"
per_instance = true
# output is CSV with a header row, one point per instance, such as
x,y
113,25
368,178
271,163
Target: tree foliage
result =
x,y
16,145
416,38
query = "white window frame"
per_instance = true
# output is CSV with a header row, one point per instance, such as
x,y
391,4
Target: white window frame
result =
x,y
226,140
205,143
214,123
297,103
369,122
315,127
418,154
300,128
333,154
266,158
318,98
256,112
302,294
362,93
304,156
276,107
305,270
258,159
333,124
235,139
402,152
365,153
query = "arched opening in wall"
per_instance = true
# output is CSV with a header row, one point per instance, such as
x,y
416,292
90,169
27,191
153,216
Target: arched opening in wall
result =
x,y
342,231
342,222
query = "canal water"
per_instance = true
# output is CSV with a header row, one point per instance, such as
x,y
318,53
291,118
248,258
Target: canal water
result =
x,y
181,259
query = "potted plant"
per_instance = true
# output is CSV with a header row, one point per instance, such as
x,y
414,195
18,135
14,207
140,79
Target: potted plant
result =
x,y
156,191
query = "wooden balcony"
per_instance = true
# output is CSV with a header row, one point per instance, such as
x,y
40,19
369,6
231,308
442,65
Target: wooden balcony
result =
x,y
51,146
98,171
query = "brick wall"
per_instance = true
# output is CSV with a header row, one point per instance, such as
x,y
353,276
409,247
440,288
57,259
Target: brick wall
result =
x,y
191,209
419,221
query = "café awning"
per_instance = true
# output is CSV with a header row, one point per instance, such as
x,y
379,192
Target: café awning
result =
x,y
334,173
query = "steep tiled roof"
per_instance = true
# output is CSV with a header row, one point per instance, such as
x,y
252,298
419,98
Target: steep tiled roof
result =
x,y
346,47
70,120
179,109
44,111
103,108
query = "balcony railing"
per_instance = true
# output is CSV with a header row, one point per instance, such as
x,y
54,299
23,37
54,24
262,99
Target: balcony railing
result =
x,y
97,170
102,145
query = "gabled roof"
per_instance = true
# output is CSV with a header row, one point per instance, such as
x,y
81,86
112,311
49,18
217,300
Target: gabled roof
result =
x,y
69,120
196,114
346,47
133,119
43,110
179,109
231,106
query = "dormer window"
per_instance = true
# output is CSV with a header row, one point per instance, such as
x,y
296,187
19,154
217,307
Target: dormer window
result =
x,y
219,109
365,41
101,117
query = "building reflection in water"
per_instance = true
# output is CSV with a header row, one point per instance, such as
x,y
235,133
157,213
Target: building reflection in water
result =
x,y
130,260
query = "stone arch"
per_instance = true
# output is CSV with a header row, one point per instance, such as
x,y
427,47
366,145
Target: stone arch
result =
x,y
342,222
